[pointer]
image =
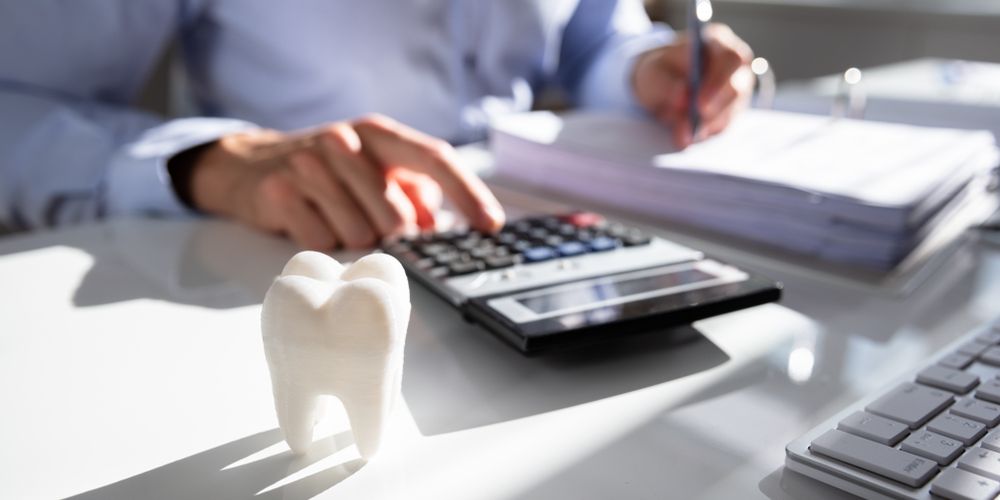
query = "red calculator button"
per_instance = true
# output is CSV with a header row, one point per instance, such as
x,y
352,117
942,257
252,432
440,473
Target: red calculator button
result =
x,y
584,219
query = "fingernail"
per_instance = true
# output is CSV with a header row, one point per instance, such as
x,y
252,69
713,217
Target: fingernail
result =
x,y
495,216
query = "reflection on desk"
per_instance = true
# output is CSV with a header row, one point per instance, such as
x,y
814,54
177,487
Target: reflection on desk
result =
x,y
131,356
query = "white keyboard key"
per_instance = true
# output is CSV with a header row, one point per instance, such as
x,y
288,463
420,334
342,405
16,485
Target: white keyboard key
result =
x,y
973,348
933,446
980,411
990,337
989,390
965,430
947,378
894,464
911,404
981,461
956,360
957,484
992,441
991,356
874,427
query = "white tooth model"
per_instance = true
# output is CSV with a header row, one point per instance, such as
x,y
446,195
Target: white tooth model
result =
x,y
331,330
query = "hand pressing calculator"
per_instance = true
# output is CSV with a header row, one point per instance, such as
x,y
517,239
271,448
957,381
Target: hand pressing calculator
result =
x,y
565,280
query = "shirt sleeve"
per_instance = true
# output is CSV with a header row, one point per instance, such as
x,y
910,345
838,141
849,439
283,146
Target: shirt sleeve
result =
x,y
67,161
600,45
72,149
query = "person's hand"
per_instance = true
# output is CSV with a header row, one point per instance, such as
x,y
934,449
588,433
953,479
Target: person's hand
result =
x,y
660,83
345,184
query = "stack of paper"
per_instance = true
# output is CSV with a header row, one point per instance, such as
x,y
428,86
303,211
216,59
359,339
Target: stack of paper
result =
x,y
844,190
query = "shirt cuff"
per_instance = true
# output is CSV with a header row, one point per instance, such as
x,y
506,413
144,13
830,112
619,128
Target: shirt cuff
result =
x,y
137,180
608,84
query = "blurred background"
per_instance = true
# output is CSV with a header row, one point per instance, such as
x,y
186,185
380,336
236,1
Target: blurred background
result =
x,y
810,38
801,38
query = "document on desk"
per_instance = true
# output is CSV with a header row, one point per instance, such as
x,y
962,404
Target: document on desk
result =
x,y
846,190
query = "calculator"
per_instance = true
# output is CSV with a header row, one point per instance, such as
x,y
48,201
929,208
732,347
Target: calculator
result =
x,y
558,281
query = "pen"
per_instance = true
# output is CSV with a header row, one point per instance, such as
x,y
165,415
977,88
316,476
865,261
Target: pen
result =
x,y
699,12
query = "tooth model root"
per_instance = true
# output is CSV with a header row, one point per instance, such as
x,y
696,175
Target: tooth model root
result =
x,y
340,331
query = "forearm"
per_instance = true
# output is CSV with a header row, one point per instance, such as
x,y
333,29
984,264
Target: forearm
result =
x,y
600,49
65,162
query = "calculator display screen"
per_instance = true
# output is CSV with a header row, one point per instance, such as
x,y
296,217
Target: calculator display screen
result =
x,y
603,290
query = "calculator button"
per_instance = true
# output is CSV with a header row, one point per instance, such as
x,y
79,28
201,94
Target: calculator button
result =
x,y
448,257
539,254
548,222
467,243
584,219
498,262
522,245
465,267
603,243
572,248
507,238
483,251
567,230
553,240
424,264
633,240
616,229
432,249
439,272
538,234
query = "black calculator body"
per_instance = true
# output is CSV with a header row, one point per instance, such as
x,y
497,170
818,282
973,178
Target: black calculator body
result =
x,y
560,281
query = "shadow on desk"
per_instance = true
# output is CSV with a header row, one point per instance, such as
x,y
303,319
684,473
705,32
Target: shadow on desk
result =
x,y
467,378
215,474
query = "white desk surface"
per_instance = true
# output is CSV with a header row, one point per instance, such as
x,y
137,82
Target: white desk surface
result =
x,y
131,367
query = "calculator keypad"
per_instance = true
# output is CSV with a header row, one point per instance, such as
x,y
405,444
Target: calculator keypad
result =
x,y
529,240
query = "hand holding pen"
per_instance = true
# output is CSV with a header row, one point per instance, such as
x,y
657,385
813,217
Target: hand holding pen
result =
x,y
668,84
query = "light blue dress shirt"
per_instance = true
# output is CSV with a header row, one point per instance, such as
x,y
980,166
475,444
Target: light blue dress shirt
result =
x,y
72,149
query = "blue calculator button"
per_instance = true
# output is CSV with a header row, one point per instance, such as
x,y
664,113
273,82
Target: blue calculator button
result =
x,y
603,243
538,254
572,248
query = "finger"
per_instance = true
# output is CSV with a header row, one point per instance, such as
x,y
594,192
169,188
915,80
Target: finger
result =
x,y
723,99
306,227
395,145
725,54
719,123
661,85
384,202
424,194
289,212
672,100
721,120
335,204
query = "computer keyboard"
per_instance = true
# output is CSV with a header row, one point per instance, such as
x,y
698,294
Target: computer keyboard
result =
x,y
933,434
